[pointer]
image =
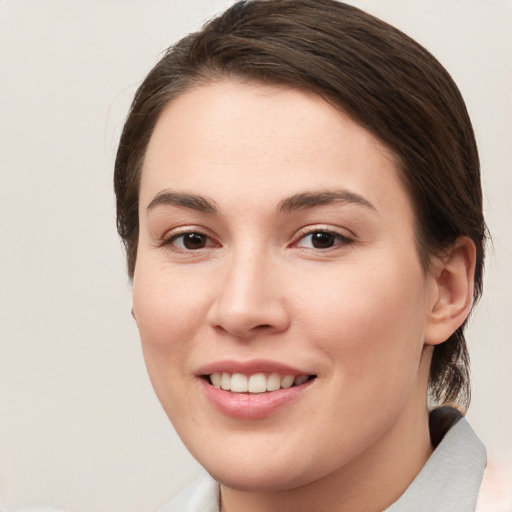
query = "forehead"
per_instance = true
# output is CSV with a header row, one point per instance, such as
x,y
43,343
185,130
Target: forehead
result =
x,y
241,138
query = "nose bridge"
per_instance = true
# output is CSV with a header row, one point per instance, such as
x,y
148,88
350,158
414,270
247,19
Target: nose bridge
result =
x,y
248,298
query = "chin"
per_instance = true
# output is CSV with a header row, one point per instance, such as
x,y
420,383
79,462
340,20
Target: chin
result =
x,y
265,479
269,473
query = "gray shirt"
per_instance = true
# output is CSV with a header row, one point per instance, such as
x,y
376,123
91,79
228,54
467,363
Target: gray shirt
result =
x,y
449,481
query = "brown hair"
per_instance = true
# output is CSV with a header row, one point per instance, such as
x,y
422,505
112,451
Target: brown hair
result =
x,y
379,76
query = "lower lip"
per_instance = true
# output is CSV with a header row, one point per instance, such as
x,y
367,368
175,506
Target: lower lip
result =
x,y
252,405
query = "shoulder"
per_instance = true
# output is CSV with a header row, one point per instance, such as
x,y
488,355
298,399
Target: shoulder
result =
x,y
496,489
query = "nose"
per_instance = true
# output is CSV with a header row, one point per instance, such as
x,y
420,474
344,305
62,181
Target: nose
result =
x,y
249,299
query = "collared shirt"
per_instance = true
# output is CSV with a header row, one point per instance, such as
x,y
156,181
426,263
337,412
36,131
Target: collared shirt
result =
x,y
449,481
451,478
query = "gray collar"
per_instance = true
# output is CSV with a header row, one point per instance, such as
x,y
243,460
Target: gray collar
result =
x,y
449,481
451,478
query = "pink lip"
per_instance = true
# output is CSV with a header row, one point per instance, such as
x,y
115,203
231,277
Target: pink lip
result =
x,y
251,405
250,367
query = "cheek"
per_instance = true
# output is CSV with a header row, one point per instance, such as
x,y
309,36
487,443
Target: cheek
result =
x,y
370,327
368,319
168,309
167,305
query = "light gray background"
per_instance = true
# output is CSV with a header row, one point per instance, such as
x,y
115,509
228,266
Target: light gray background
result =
x,y
79,425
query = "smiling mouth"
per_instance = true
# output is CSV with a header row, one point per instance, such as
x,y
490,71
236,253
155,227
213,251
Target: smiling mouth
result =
x,y
255,383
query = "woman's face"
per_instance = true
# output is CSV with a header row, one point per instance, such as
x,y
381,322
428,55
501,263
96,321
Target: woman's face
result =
x,y
277,246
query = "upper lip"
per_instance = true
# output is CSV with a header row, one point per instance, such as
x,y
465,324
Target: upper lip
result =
x,y
250,367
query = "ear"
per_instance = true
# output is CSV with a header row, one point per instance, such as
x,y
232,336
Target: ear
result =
x,y
453,275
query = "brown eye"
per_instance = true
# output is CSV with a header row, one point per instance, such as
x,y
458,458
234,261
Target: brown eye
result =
x,y
323,240
194,241
190,241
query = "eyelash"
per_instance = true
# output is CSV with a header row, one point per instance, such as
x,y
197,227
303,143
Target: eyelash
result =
x,y
337,239
170,241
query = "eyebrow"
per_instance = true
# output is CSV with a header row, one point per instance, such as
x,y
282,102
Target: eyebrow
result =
x,y
300,201
184,200
307,200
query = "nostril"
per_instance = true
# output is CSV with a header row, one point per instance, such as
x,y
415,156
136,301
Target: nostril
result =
x,y
244,315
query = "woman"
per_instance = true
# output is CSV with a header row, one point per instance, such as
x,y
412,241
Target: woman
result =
x,y
298,192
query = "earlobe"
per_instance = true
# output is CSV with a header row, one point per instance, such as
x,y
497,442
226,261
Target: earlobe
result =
x,y
454,279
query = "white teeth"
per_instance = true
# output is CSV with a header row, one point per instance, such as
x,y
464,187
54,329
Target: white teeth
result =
x,y
255,383
287,382
225,381
216,378
239,383
300,380
274,382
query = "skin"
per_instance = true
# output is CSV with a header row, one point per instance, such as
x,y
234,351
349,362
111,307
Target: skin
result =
x,y
362,315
